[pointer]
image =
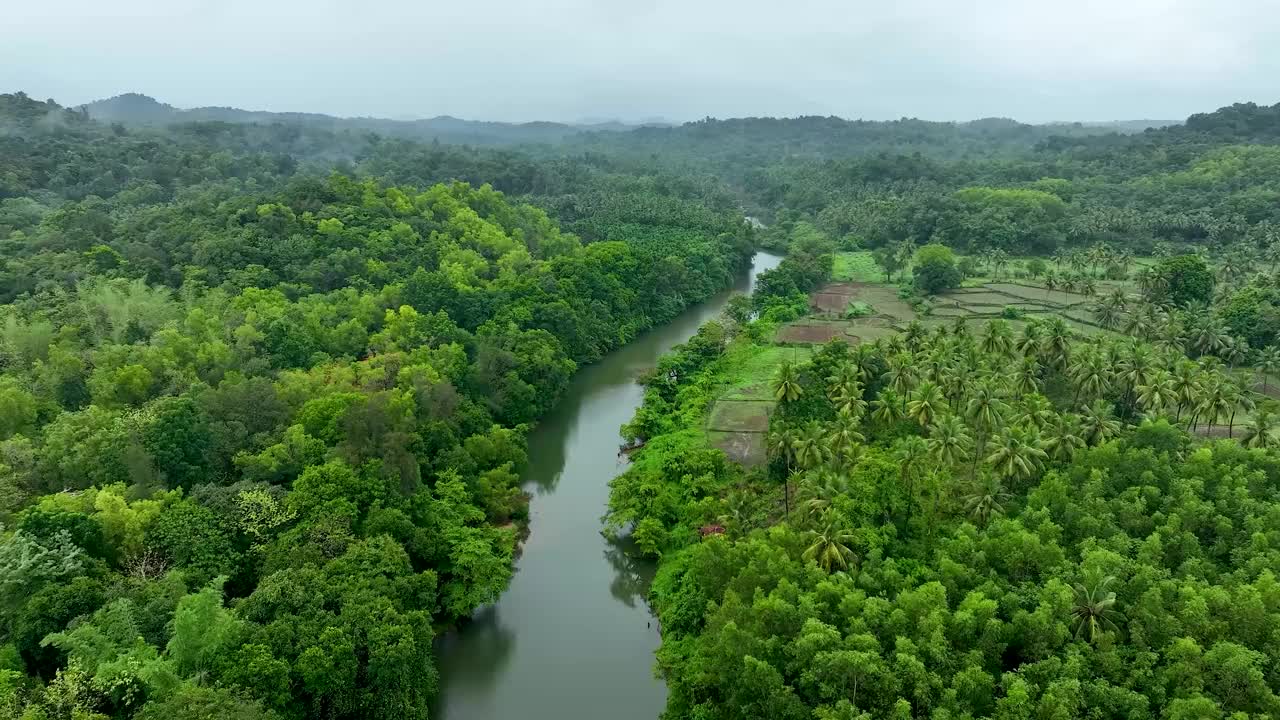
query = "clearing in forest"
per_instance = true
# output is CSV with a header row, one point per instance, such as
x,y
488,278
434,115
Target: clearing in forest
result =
x,y
740,415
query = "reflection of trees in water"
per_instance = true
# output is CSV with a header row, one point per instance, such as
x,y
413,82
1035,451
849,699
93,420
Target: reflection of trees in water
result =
x,y
472,657
631,575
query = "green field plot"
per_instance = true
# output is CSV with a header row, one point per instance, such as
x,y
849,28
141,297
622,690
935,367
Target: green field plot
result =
x,y
1039,294
856,266
740,416
752,372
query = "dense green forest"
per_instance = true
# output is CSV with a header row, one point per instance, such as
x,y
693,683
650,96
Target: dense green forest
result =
x,y
955,524
265,385
263,423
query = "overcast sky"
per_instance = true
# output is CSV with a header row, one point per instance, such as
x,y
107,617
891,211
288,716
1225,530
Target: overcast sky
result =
x,y
631,59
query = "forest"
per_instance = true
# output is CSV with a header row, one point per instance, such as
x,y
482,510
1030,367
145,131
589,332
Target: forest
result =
x,y
266,386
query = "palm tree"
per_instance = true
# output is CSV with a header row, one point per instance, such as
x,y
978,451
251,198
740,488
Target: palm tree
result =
x,y
1106,315
847,398
997,340
1016,455
1089,375
1089,287
926,404
1097,424
1208,336
1094,610
1062,439
811,448
986,500
1029,342
1268,363
1055,346
1234,350
1135,370
1237,399
830,545
949,441
1213,402
1035,412
887,408
1186,385
1260,431
846,375
786,383
1159,392
1027,379
909,453
845,437
1051,283
914,334
901,376
819,490
781,443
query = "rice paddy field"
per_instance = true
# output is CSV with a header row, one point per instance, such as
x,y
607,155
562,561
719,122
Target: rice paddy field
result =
x,y
737,421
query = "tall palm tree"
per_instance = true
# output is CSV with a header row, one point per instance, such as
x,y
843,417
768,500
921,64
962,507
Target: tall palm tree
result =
x,y
1213,402
1235,350
1016,455
887,407
1090,375
910,454
914,335
1062,438
926,404
1268,363
985,500
1027,378
1237,399
786,383
1260,432
1208,335
997,339
818,490
811,447
1028,343
1035,411
1089,287
1159,392
845,438
949,441
1186,385
1056,345
847,398
1106,315
1098,424
1136,367
1094,610
831,545
901,376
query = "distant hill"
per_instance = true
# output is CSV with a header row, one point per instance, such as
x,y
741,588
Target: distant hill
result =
x,y
136,109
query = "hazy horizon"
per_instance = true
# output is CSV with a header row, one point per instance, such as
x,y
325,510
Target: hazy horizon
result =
x,y
577,60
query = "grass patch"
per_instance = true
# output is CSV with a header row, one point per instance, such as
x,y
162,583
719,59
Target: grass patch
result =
x,y
751,370
740,416
856,267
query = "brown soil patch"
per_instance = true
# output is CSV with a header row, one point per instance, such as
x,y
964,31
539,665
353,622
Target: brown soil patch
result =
x,y
812,334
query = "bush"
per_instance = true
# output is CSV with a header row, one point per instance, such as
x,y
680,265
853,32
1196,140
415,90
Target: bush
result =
x,y
935,269
1010,312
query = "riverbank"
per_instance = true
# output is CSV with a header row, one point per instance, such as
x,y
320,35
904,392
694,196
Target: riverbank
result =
x,y
573,636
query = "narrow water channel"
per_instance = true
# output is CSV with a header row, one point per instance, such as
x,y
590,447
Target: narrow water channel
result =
x,y
572,636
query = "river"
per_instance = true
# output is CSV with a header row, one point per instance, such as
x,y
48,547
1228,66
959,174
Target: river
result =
x,y
572,637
